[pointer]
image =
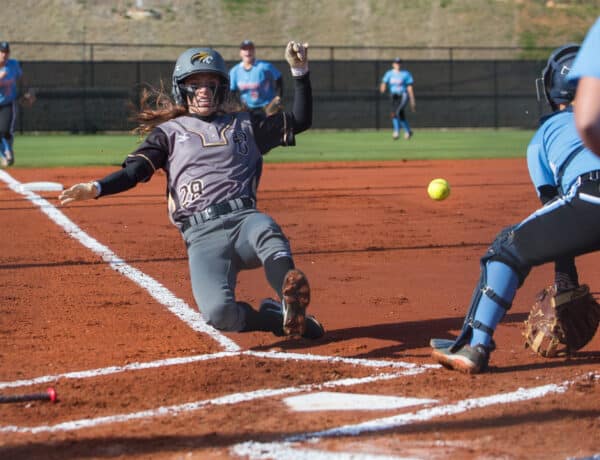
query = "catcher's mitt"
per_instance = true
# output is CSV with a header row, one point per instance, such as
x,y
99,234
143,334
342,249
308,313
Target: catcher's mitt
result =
x,y
273,107
559,324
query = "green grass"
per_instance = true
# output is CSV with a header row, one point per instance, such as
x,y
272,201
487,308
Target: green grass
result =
x,y
102,150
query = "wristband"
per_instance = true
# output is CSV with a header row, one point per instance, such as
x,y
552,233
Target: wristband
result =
x,y
299,71
98,187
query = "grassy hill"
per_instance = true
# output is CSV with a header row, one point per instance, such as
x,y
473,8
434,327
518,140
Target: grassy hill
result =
x,y
529,23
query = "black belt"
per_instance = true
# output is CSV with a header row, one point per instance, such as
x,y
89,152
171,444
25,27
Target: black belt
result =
x,y
217,210
591,176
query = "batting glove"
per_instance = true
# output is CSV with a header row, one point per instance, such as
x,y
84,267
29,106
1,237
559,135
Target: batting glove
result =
x,y
296,54
79,192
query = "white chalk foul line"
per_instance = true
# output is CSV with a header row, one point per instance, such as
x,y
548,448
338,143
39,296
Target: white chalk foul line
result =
x,y
288,451
117,369
91,373
290,445
165,297
159,292
178,409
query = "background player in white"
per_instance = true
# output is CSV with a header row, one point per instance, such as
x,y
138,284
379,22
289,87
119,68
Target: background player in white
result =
x,y
257,83
586,70
399,83
213,161
566,176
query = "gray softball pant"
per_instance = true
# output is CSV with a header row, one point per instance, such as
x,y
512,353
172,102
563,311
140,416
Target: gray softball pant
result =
x,y
218,250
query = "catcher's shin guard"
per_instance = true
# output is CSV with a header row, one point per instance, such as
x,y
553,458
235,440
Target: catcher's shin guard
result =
x,y
511,273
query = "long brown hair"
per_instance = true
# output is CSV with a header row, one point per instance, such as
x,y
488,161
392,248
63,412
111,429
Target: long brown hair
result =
x,y
156,106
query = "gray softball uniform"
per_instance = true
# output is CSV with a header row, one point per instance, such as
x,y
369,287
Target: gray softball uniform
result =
x,y
213,168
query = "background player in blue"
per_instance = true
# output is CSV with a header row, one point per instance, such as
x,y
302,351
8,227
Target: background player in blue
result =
x,y
213,161
256,82
400,86
10,74
566,176
586,71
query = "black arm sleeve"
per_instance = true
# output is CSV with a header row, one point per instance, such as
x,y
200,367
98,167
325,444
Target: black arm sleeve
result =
x,y
302,104
280,129
279,86
138,166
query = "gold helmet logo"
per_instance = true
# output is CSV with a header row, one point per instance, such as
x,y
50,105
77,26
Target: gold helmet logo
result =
x,y
203,57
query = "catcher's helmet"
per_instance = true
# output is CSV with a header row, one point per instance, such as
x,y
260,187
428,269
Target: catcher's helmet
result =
x,y
557,89
199,60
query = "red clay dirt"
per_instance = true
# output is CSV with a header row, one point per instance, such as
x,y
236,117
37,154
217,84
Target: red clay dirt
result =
x,y
389,269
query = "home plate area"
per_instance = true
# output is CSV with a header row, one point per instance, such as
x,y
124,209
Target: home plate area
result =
x,y
97,304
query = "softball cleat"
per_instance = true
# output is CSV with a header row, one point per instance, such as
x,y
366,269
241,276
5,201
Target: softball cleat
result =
x,y
271,312
467,359
295,298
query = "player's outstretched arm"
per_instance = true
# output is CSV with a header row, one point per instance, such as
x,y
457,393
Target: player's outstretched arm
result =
x,y
296,54
79,192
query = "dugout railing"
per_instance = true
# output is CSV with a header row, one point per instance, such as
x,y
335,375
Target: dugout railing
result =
x,y
95,94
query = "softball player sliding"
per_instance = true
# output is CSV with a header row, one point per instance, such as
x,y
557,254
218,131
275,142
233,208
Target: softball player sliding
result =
x,y
400,85
212,157
567,179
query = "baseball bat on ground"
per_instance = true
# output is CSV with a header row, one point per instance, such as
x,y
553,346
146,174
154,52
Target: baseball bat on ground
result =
x,y
49,395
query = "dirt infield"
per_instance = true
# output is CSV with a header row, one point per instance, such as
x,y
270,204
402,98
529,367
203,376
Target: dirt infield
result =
x,y
96,302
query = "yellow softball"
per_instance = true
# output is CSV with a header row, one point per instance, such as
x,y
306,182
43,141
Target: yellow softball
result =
x,y
438,189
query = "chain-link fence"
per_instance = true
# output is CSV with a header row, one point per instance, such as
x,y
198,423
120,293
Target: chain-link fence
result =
x,y
454,87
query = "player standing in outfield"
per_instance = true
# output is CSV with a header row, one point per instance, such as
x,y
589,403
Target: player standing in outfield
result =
x,y
258,84
586,71
10,74
212,157
400,85
566,176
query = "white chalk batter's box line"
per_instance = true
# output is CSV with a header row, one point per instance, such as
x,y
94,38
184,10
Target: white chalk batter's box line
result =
x,y
294,447
92,373
371,426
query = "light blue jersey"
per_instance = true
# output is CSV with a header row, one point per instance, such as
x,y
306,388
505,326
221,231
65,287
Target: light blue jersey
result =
x,y
9,77
397,81
587,62
256,86
549,154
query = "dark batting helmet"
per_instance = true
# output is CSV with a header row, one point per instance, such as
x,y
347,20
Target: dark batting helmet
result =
x,y
557,89
199,60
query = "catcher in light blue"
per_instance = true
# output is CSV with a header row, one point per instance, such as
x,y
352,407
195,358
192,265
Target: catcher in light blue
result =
x,y
566,176
399,83
586,71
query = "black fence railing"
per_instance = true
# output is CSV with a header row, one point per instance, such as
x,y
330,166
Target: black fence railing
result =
x,y
97,96
93,93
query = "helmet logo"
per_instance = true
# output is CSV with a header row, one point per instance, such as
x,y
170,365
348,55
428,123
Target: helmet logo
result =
x,y
203,57
565,70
